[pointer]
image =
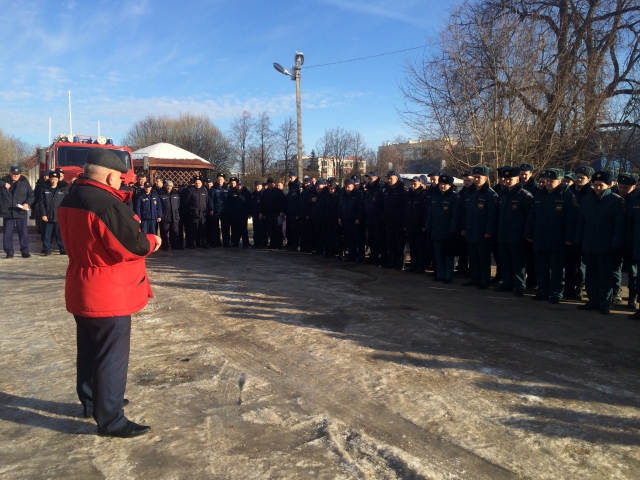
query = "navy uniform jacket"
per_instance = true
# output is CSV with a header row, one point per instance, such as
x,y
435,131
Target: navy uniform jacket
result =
x,y
394,200
374,199
305,201
601,223
479,214
256,204
50,199
333,208
19,193
293,199
351,206
431,192
583,192
170,206
531,186
184,204
239,203
513,206
218,201
273,202
147,206
632,231
414,210
197,201
319,207
443,217
552,219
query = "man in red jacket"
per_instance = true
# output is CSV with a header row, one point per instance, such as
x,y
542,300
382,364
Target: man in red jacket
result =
x,y
106,282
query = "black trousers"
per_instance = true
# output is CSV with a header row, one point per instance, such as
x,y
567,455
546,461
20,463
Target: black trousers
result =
x,y
259,232
307,235
574,269
321,237
418,251
599,278
23,234
101,367
225,228
396,241
275,231
239,230
530,264
463,259
293,232
197,236
480,262
213,230
377,239
169,232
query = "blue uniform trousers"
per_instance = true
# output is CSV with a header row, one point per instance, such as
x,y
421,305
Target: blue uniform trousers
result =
x,y
480,262
444,263
259,232
101,369
549,273
599,278
49,228
418,251
513,259
23,234
293,232
377,239
148,226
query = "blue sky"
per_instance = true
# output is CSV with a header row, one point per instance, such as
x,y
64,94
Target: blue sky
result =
x,y
123,60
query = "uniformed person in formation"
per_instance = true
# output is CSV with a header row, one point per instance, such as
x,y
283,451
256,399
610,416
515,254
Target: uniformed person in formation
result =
x,y
443,225
197,208
393,216
600,232
373,209
350,217
625,263
293,212
274,206
514,204
169,226
478,223
148,207
240,206
259,224
414,216
16,197
550,227
51,196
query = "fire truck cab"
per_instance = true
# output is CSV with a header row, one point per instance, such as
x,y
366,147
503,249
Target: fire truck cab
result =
x,y
70,153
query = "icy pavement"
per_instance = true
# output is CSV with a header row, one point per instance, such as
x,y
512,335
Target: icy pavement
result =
x,y
260,364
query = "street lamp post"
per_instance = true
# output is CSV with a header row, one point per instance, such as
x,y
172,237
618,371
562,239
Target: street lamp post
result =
x,y
295,75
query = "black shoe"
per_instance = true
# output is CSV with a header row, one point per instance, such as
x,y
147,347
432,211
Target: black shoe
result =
x,y
554,301
519,293
631,304
634,316
388,265
63,252
617,300
46,253
539,298
26,255
128,430
398,267
447,282
470,284
410,269
605,310
587,306
9,255
436,279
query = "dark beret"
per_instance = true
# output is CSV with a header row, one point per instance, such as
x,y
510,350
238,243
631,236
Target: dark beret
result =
x,y
603,176
105,158
481,170
526,167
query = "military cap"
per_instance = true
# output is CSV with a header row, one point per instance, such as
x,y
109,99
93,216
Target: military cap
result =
x,y
45,173
423,179
209,180
333,184
306,179
59,170
148,185
446,179
501,170
467,173
233,179
585,170
416,179
510,172
392,173
526,167
241,182
168,183
54,175
293,174
435,174
554,173
355,179
570,176
320,182
257,182
627,178
481,170
602,176
220,174
372,173
15,170
197,177
107,159
350,181
270,180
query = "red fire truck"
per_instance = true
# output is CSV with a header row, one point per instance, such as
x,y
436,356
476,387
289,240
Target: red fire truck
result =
x,y
70,153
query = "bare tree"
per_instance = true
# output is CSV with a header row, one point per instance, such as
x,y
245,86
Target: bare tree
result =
x,y
264,139
241,129
194,133
357,149
526,80
13,151
286,142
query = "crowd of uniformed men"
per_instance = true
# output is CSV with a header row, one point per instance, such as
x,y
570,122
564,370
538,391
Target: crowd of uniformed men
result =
x,y
560,235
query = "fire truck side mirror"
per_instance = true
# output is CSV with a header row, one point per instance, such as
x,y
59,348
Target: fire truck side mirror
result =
x,y
145,162
42,158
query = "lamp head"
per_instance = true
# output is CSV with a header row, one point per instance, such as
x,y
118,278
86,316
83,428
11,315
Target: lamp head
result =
x,y
281,69
299,59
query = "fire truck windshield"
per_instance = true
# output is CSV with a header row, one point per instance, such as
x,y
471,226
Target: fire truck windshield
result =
x,y
77,156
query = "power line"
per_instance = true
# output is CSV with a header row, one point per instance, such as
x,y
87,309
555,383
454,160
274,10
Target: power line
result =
x,y
371,56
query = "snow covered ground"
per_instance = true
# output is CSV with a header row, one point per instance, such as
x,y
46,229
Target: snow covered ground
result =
x,y
261,364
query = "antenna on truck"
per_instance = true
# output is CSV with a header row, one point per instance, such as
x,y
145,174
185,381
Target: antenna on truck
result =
x,y
70,124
